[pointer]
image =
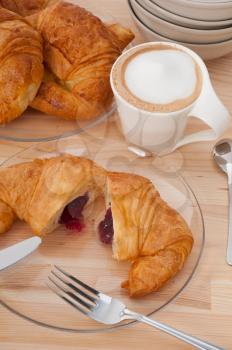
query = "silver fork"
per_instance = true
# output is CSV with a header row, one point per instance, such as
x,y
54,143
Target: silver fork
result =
x,y
102,308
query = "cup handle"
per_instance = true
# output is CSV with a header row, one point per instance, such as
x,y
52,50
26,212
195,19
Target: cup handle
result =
x,y
210,110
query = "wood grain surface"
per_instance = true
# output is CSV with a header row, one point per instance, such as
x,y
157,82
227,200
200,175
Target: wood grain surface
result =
x,y
204,308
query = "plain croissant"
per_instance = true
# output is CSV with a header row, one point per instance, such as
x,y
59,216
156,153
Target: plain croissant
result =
x,y
21,65
147,232
79,51
25,7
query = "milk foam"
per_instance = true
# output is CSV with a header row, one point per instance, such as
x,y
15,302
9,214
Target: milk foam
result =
x,y
161,76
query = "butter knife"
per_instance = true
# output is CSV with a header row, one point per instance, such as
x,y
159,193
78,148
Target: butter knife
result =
x,y
16,252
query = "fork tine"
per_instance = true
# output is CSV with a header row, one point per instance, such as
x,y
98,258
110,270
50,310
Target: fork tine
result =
x,y
76,289
57,292
71,295
82,284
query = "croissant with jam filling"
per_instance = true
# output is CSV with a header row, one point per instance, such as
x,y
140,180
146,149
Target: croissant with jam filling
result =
x,y
143,229
39,191
146,231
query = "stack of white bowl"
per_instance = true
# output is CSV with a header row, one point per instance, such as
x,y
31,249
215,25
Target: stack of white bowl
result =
x,y
205,26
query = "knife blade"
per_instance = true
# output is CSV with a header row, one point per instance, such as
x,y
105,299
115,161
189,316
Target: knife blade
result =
x,y
16,252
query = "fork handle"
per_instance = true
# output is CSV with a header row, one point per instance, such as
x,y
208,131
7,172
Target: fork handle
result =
x,y
199,344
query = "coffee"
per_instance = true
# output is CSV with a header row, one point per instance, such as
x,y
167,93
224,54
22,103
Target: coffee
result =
x,y
158,78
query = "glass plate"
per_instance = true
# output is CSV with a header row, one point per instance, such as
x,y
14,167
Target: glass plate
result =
x,y
23,287
35,126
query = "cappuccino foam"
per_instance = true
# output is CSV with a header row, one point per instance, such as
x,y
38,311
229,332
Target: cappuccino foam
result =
x,y
159,78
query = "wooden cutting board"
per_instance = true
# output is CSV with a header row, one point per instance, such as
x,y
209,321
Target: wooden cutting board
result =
x,y
204,309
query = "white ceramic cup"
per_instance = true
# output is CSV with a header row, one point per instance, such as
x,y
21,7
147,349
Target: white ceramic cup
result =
x,y
162,133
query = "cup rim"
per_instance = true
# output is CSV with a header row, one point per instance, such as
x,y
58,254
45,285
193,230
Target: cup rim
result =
x,y
193,54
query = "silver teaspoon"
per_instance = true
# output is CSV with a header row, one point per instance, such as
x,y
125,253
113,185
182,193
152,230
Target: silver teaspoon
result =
x,y
139,151
222,154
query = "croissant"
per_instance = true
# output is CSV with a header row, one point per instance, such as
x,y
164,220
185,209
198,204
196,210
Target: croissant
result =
x,y
142,227
147,232
79,51
7,217
25,7
21,65
39,191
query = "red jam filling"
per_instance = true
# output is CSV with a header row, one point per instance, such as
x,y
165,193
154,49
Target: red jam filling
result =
x,y
72,216
106,229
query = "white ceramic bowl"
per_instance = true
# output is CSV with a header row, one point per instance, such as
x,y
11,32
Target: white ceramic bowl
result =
x,y
180,33
200,10
180,20
206,51
211,1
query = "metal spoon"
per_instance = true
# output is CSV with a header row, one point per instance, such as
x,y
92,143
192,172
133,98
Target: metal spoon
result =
x,y
222,154
139,151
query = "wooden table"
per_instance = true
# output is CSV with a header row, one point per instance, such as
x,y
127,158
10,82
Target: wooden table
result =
x,y
204,309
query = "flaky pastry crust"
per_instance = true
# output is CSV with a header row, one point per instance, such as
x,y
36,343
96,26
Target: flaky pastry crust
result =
x,y
38,191
79,51
21,65
25,7
147,232
7,217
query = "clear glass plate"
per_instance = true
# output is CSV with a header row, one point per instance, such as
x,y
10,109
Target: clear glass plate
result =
x,y
23,287
35,126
